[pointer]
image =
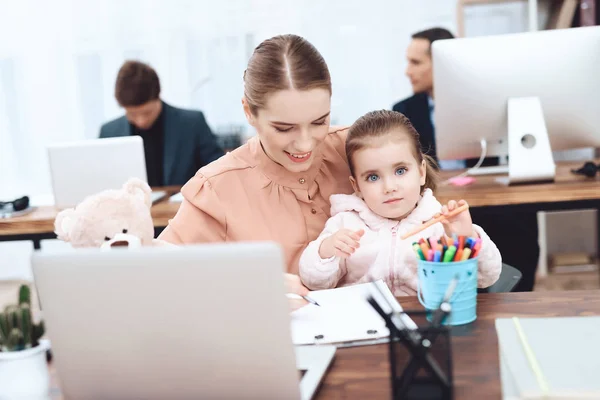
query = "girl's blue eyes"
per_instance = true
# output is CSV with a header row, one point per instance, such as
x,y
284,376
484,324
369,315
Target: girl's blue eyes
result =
x,y
375,177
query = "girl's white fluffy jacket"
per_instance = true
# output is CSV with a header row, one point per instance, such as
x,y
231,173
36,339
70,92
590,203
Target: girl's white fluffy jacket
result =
x,y
382,254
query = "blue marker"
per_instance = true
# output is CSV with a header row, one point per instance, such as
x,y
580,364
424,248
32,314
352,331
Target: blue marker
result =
x,y
470,243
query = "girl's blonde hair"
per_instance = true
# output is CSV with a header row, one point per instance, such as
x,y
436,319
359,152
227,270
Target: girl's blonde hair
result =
x,y
381,123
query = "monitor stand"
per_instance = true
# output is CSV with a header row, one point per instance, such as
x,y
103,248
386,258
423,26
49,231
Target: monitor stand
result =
x,y
530,154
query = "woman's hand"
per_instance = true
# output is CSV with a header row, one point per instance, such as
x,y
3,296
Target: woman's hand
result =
x,y
460,224
294,286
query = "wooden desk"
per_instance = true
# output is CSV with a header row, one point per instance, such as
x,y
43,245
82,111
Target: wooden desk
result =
x,y
491,200
363,372
569,191
487,192
39,224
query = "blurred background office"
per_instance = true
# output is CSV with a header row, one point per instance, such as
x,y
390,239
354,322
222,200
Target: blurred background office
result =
x,y
59,60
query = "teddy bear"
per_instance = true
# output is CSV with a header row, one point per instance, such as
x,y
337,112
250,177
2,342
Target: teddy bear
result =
x,y
109,219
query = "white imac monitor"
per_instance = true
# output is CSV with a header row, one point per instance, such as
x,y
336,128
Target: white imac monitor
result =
x,y
518,95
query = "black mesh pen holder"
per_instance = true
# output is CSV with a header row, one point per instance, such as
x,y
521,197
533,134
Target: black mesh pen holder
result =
x,y
420,359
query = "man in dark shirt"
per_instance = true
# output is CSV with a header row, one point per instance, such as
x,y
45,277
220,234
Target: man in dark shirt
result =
x,y
154,138
177,142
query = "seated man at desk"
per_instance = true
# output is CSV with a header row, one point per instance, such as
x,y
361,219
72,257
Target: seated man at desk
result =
x,y
516,235
177,142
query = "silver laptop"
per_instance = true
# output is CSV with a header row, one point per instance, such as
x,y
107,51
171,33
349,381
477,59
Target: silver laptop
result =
x,y
206,321
82,168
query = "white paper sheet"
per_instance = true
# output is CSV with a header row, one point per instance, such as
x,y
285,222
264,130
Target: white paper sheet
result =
x,y
344,315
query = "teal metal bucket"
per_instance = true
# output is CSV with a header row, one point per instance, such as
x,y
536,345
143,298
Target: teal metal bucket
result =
x,y
434,278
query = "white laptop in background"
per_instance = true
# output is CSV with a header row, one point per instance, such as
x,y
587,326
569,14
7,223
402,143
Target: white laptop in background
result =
x,y
82,168
192,322
176,198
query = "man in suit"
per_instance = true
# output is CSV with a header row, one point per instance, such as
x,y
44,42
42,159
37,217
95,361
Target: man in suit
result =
x,y
177,142
515,234
419,107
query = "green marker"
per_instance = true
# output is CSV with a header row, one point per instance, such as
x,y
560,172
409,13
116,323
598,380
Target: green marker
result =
x,y
418,250
449,256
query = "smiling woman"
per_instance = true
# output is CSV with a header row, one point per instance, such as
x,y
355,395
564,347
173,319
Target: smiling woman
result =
x,y
287,98
292,126
277,186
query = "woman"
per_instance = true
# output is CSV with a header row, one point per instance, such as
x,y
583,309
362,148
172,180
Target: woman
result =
x,y
276,186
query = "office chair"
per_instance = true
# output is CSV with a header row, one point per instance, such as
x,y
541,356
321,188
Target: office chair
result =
x,y
508,280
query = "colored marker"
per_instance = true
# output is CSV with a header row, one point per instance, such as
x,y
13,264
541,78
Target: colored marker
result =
x,y
449,255
444,241
424,248
477,249
419,252
466,254
458,255
429,255
432,243
437,256
478,243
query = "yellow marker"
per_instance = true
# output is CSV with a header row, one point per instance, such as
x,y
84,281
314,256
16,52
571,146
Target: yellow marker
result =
x,y
466,254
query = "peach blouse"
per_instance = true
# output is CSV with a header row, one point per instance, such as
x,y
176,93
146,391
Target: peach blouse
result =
x,y
245,196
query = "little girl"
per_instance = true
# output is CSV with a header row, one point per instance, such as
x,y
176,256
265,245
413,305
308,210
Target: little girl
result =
x,y
393,183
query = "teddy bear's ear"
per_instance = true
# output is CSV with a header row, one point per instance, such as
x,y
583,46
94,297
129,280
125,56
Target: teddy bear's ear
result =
x,y
139,188
63,224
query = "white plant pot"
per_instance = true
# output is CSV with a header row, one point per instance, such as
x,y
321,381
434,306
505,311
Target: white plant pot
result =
x,y
24,374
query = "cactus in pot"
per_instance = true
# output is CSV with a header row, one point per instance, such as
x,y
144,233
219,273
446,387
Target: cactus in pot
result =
x,y
17,330
23,363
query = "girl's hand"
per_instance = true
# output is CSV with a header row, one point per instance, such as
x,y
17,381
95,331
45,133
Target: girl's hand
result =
x,y
343,244
460,224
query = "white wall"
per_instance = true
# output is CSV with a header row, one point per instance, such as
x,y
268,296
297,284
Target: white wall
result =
x,y
59,59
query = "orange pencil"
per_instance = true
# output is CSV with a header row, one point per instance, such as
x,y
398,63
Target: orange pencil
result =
x,y
427,224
